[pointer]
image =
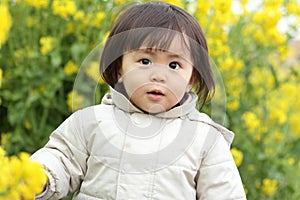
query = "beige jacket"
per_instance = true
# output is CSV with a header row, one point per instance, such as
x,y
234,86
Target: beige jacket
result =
x,y
113,151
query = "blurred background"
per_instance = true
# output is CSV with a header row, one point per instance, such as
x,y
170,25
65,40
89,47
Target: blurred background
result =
x,y
254,44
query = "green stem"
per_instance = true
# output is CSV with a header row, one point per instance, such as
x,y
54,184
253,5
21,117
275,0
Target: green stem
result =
x,y
273,71
32,120
43,119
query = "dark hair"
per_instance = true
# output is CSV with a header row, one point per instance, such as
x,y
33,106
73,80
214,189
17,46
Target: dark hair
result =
x,y
147,23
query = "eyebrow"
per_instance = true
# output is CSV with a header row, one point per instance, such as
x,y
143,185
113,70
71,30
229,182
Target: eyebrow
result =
x,y
152,50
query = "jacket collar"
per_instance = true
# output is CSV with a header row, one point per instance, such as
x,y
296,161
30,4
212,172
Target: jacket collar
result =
x,y
186,106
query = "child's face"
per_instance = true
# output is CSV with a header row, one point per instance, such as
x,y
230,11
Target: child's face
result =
x,y
156,80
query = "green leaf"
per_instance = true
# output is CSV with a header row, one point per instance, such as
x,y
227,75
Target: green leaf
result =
x,y
77,49
56,59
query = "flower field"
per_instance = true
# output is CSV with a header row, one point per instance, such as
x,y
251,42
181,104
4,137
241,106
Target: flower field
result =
x,y
43,44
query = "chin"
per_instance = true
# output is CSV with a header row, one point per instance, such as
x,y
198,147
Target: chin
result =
x,y
155,109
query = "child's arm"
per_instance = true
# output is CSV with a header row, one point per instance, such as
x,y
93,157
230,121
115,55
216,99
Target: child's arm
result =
x,y
218,177
64,158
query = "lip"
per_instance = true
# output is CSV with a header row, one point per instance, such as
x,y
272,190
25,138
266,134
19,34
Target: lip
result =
x,y
155,94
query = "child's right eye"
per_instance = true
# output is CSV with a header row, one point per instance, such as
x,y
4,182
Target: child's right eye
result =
x,y
145,61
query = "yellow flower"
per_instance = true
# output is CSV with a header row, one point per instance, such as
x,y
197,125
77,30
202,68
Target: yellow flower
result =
x,y
203,7
27,125
37,3
217,33
175,2
70,68
119,1
5,24
2,154
288,89
291,161
270,152
40,89
294,120
222,6
86,21
105,37
276,37
237,156
23,178
30,21
273,3
233,105
266,26
248,30
234,85
74,101
34,184
262,79
268,18
96,22
277,116
70,27
293,8
269,186
64,8
79,15
227,64
4,137
47,44
93,72
217,47
251,121
278,136
259,36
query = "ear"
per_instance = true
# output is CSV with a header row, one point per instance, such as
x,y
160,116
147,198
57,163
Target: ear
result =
x,y
120,77
191,83
118,66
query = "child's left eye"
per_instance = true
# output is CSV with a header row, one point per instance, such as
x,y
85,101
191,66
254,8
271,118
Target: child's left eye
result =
x,y
174,65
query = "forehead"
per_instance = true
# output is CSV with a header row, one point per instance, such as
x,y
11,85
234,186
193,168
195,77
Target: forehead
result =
x,y
180,46
177,47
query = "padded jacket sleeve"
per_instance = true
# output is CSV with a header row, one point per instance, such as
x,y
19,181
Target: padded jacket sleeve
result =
x,y
218,177
64,158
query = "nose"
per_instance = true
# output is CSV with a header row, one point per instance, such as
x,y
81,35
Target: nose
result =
x,y
158,76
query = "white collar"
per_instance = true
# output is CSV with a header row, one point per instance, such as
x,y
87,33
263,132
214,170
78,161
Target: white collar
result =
x,y
187,107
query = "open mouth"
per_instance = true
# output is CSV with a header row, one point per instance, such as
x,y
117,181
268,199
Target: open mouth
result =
x,y
156,92
155,95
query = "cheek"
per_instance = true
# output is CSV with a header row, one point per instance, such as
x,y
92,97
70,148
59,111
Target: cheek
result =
x,y
176,95
133,81
178,85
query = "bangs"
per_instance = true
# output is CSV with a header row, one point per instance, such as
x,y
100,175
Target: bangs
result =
x,y
154,38
133,39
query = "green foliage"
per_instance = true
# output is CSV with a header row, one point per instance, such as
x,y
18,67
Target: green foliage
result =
x,y
35,86
48,42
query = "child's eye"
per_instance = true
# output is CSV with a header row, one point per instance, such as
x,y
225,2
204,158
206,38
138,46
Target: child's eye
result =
x,y
174,65
145,61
